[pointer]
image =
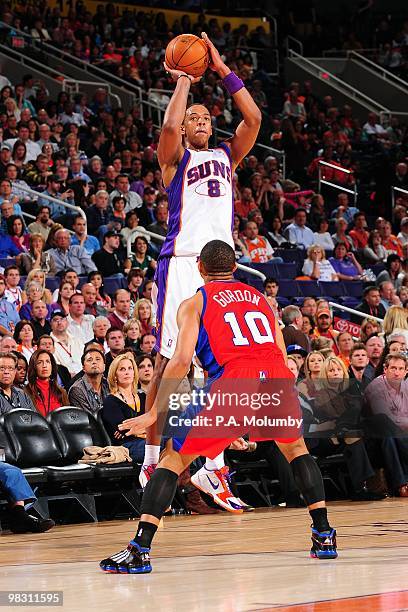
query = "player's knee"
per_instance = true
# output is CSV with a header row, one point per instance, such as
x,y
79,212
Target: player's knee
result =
x,y
293,449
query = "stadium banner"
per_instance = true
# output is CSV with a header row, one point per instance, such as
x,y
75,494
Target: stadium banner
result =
x,y
342,325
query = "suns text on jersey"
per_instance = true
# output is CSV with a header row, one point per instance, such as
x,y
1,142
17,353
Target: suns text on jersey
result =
x,y
207,169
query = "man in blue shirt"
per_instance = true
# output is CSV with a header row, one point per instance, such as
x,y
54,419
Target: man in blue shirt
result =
x,y
8,314
7,246
67,256
81,238
297,232
53,187
343,208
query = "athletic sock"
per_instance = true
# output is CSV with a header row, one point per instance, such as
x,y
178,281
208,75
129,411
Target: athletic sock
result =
x,y
319,518
152,453
145,534
215,464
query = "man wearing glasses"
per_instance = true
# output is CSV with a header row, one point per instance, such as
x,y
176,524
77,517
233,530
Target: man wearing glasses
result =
x,y
11,397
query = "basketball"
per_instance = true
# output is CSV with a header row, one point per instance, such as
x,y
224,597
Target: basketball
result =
x,y
188,53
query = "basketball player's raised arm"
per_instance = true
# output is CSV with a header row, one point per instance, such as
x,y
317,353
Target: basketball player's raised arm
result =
x,y
247,131
170,149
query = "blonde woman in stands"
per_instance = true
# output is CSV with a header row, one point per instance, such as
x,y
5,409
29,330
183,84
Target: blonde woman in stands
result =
x,y
317,266
396,317
369,327
38,276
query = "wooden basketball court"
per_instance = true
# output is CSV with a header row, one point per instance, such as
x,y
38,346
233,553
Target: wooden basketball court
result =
x,y
248,563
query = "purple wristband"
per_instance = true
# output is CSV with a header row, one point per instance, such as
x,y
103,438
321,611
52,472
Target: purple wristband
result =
x,y
232,83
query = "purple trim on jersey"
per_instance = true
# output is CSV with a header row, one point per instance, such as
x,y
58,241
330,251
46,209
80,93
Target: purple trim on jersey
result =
x,y
175,193
227,151
203,348
160,278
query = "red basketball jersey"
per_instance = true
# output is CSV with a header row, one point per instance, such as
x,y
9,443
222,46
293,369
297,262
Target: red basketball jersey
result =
x,y
237,325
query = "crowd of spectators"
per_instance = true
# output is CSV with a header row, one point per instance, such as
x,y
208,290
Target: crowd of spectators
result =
x,y
74,297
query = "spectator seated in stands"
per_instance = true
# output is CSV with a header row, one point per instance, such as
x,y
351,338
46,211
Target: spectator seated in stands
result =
x,y
102,298
345,263
24,335
13,292
68,350
324,328
388,295
389,241
160,226
403,234
67,256
259,249
275,236
298,233
340,234
39,314
337,406
133,200
371,304
17,492
393,267
386,398
374,252
42,386
100,327
345,345
42,223
92,388
36,257
81,238
322,236
11,397
123,403
140,258
111,259
133,332
91,307
292,332
9,316
121,309
317,267
54,190
99,215
131,225
79,323
64,293
33,292
143,313
115,340
343,208
246,204
147,344
18,233
46,343
359,234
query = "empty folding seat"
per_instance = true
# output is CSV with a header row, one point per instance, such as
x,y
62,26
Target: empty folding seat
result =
x,y
309,288
353,289
34,446
332,289
288,288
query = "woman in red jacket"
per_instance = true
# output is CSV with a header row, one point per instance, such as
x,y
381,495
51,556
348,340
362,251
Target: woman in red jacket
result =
x,y
42,384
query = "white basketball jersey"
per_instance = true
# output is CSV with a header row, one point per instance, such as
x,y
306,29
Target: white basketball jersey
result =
x,y
201,206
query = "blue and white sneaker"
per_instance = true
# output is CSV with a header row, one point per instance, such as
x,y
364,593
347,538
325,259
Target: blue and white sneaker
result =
x,y
323,544
216,483
132,560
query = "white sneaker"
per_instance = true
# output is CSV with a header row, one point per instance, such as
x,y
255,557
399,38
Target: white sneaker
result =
x,y
216,484
146,472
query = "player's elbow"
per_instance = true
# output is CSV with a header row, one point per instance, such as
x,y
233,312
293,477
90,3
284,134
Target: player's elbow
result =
x,y
181,363
255,117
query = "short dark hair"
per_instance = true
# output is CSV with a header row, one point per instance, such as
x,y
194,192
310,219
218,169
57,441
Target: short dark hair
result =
x,y
218,257
357,346
45,337
111,330
92,350
395,356
270,279
368,290
300,209
12,267
40,208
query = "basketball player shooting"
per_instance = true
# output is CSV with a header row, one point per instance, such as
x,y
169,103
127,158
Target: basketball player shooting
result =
x,y
198,181
232,339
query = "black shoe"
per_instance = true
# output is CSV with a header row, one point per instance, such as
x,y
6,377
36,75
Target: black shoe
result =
x,y
131,560
365,495
22,522
323,544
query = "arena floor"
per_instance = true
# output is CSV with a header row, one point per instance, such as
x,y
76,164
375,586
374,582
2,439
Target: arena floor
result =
x,y
253,562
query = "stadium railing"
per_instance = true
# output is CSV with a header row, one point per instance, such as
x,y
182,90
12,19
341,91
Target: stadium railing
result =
x,y
340,187
394,189
357,313
44,196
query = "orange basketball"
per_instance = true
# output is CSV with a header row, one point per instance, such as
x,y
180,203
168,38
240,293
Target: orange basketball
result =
x,y
188,53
